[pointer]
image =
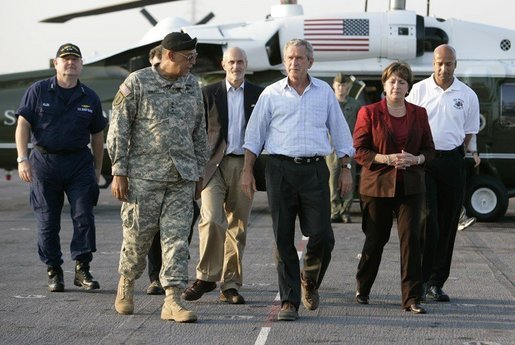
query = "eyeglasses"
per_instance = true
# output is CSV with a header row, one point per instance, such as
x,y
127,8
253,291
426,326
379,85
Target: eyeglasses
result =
x,y
190,57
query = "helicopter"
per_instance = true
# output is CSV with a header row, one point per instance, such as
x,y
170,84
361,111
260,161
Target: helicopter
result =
x,y
360,44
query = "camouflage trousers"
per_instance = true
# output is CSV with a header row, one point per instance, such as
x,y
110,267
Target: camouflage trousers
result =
x,y
157,206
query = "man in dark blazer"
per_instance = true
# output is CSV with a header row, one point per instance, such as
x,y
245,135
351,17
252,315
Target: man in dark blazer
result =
x,y
225,209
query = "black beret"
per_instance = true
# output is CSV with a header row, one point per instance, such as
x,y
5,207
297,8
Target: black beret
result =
x,y
68,49
177,41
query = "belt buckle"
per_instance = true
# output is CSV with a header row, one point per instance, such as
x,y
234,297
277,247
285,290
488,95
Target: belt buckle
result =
x,y
297,160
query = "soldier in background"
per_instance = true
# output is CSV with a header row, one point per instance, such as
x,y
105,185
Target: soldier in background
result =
x,y
154,55
340,206
158,147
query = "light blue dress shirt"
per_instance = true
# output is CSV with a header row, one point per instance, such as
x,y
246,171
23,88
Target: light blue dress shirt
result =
x,y
236,117
294,125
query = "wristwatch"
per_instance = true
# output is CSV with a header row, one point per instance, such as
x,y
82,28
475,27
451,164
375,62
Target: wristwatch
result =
x,y
22,159
347,166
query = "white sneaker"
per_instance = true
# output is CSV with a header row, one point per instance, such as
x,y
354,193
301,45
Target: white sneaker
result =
x,y
465,223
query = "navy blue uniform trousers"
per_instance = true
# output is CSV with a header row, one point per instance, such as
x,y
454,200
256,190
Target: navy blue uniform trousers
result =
x,y
53,176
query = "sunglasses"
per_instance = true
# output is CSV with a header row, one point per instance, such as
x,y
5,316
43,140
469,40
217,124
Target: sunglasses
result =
x,y
190,57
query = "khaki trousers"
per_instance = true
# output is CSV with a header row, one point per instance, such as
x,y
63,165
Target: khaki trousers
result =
x,y
224,216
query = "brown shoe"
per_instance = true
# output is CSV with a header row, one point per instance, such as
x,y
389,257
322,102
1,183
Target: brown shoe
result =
x,y
231,296
310,297
198,288
288,312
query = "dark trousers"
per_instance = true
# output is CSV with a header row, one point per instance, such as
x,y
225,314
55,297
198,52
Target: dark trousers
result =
x,y
56,175
377,224
445,182
154,253
299,190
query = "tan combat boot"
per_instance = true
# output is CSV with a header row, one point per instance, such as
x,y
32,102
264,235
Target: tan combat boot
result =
x,y
174,309
124,303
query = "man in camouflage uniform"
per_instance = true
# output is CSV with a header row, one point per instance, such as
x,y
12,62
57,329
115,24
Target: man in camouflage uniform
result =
x,y
158,147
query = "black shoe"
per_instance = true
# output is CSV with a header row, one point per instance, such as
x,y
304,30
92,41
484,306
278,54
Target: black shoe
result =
x,y
435,293
83,278
198,288
231,296
423,294
336,219
415,308
55,279
155,288
361,299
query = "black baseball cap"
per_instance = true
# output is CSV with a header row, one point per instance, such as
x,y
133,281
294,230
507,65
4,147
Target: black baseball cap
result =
x,y
177,41
68,49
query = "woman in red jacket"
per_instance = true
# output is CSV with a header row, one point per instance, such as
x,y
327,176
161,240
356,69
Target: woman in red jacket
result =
x,y
392,139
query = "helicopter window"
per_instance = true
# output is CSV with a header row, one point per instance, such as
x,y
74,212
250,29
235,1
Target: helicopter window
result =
x,y
508,105
403,31
434,37
273,50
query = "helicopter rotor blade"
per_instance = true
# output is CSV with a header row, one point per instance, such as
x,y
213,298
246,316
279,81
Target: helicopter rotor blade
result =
x,y
206,19
103,10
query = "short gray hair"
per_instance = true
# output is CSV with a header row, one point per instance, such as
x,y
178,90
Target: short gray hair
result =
x,y
297,42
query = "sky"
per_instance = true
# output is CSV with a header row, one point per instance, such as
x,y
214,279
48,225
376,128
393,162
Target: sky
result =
x,y
28,45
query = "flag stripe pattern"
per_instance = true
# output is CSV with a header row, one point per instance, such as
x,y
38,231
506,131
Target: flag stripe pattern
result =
x,y
337,35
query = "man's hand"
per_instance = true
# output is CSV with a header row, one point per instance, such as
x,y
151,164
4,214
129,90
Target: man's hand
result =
x,y
248,183
24,171
345,181
120,188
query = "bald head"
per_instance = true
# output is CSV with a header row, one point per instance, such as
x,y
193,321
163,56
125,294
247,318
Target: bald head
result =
x,y
234,51
444,49
234,63
444,64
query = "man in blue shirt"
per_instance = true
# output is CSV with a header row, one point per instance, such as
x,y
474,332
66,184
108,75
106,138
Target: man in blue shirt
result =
x,y
63,116
292,120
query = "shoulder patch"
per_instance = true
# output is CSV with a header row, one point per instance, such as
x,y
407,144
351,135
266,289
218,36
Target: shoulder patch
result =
x,y
118,98
122,93
125,90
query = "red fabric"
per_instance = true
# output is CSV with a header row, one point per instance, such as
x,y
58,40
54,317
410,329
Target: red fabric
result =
x,y
374,133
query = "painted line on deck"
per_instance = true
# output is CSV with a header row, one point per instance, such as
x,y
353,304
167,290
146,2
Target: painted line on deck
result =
x,y
276,305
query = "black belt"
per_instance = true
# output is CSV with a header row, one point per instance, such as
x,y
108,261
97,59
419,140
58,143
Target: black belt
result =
x,y
449,153
56,152
299,160
234,155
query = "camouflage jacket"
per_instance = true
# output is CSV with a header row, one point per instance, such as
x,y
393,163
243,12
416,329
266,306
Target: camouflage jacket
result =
x,y
157,129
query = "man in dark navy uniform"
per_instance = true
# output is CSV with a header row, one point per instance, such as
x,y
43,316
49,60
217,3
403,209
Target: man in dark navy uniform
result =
x,y
63,116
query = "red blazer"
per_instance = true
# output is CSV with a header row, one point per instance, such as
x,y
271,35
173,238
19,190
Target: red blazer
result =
x,y
374,134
